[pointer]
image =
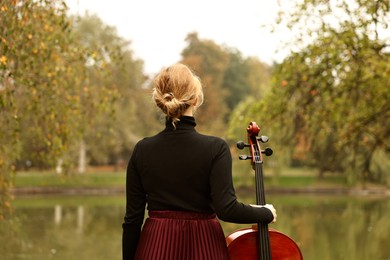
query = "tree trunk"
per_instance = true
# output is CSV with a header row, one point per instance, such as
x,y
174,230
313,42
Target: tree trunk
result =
x,y
59,166
82,156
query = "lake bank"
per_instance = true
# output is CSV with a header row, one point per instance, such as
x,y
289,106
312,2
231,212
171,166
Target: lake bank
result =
x,y
382,191
108,181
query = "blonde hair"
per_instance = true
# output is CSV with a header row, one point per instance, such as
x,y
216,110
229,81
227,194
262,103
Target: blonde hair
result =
x,y
176,88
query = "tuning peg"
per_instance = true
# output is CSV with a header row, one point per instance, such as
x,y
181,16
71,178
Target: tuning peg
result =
x,y
241,145
263,138
267,151
244,157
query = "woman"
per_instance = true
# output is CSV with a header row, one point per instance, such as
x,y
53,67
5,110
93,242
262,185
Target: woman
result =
x,y
185,178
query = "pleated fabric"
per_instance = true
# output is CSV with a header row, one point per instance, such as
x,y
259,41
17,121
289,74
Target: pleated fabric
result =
x,y
175,235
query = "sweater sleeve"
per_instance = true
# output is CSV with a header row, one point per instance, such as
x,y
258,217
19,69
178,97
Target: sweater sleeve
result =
x,y
135,209
223,194
130,237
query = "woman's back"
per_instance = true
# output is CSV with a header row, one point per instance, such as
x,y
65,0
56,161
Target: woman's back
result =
x,y
175,167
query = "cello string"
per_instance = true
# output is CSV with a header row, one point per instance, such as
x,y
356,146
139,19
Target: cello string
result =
x,y
262,228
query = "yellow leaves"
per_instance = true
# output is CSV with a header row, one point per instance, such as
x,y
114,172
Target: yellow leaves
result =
x,y
3,60
29,36
103,65
58,128
7,204
48,28
68,96
4,8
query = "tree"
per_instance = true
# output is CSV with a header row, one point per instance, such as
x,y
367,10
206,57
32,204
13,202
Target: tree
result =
x,y
54,88
39,71
235,79
258,84
228,78
258,78
331,97
110,137
209,62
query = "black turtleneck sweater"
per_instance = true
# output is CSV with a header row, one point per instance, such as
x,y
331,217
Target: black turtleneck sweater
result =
x,y
181,169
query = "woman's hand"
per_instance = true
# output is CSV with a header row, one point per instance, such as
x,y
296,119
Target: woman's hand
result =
x,y
273,210
270,207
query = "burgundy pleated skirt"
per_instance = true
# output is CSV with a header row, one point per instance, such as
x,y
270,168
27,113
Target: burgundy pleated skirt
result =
x,y
174,235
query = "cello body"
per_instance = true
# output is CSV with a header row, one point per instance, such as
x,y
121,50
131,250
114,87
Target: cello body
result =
x,y
259,241
243,245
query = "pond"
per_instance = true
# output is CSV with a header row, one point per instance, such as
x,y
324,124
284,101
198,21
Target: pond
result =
x,y
89,227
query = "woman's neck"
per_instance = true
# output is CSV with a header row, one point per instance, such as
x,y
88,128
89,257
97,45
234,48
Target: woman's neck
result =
x,y
189,111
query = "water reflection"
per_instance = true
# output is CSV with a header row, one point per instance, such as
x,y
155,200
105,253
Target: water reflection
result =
x,y
57,214
79,216
64,228
327,227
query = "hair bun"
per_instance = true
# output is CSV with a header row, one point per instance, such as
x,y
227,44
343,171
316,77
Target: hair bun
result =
x,y
168,96
177,88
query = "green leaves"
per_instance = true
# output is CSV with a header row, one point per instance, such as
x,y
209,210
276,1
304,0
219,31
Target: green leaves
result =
x,y
334,91
228,79
51,95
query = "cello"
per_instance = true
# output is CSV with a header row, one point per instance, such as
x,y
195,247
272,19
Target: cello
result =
x,y
259,241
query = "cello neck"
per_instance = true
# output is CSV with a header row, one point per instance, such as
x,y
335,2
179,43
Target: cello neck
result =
x,y
262,228
257,162
259,180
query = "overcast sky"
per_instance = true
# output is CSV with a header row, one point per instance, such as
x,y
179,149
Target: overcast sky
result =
x,y
157,29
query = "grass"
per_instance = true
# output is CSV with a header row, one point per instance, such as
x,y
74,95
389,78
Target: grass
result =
x,y
244,175
108,177
92,178
308,181
70,201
